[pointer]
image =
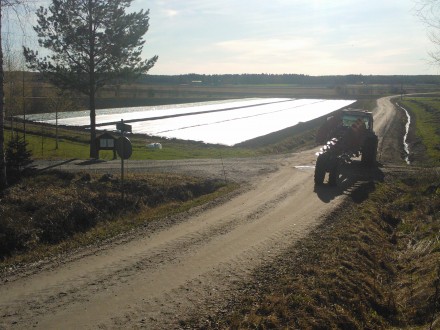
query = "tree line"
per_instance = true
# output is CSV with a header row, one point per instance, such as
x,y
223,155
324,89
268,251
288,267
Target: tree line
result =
x,y
298,79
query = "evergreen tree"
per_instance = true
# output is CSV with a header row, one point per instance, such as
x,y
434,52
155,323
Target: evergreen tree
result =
x,y
91,43
17,156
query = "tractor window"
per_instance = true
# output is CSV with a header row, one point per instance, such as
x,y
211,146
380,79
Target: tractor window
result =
x,y
348,120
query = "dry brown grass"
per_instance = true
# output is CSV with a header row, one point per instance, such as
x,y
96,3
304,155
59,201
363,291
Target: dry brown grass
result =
x,y
371,265
65,209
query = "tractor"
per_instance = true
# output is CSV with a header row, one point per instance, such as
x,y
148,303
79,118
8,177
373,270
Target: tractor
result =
x,y
349,134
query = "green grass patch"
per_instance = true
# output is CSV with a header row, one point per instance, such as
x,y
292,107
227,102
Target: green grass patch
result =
x,y
426,112
74,143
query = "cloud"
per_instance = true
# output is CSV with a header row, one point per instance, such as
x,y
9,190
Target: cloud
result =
x,y
171,12
287,36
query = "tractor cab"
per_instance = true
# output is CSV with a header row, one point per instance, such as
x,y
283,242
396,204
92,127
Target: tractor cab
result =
x,y
356,117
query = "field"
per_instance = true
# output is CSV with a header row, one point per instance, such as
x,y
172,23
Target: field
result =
x,y
74,143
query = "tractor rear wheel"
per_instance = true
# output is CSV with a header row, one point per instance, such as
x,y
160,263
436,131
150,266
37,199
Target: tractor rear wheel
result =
x,y
369,151
333,176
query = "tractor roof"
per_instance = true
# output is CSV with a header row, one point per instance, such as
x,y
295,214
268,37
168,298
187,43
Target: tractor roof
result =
x,y
358,112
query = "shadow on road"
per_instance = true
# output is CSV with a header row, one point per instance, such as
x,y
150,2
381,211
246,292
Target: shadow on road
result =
x,y
57,164
355,180
91,162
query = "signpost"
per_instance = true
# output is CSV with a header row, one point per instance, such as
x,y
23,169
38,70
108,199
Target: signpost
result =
x,y
123,127
123,148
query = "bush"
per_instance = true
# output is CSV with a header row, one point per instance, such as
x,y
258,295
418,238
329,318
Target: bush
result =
x,y
56,224
53,206
15,235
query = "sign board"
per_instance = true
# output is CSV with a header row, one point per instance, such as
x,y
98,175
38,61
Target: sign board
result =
x,y
106,141
123,127
124,148
106,144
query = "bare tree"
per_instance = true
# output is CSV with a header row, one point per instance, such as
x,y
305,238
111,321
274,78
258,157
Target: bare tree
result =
x,y
60,101
3,178
14,5
429,13
14,87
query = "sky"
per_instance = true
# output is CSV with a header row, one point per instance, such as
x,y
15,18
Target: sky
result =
x,y
311,37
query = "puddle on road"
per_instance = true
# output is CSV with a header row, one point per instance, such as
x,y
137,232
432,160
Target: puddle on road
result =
x,y
305,167
405,138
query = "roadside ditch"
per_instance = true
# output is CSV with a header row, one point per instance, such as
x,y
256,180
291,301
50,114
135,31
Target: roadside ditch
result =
x,y
373,263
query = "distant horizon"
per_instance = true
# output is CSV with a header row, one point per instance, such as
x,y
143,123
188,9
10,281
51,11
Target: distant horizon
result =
x,y
299,74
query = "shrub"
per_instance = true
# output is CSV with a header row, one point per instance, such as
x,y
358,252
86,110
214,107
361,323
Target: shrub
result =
x,y
53,206
18,158
56,224
15,235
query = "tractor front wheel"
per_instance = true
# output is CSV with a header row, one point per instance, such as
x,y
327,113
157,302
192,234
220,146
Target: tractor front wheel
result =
x,y
320,169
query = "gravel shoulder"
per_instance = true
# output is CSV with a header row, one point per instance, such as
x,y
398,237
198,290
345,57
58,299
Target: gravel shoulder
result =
x,y
191,266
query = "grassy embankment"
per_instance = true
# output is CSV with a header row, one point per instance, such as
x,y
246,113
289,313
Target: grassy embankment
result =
x,y
373,264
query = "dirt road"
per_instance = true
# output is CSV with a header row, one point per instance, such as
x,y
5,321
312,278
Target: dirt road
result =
x,y
163,276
